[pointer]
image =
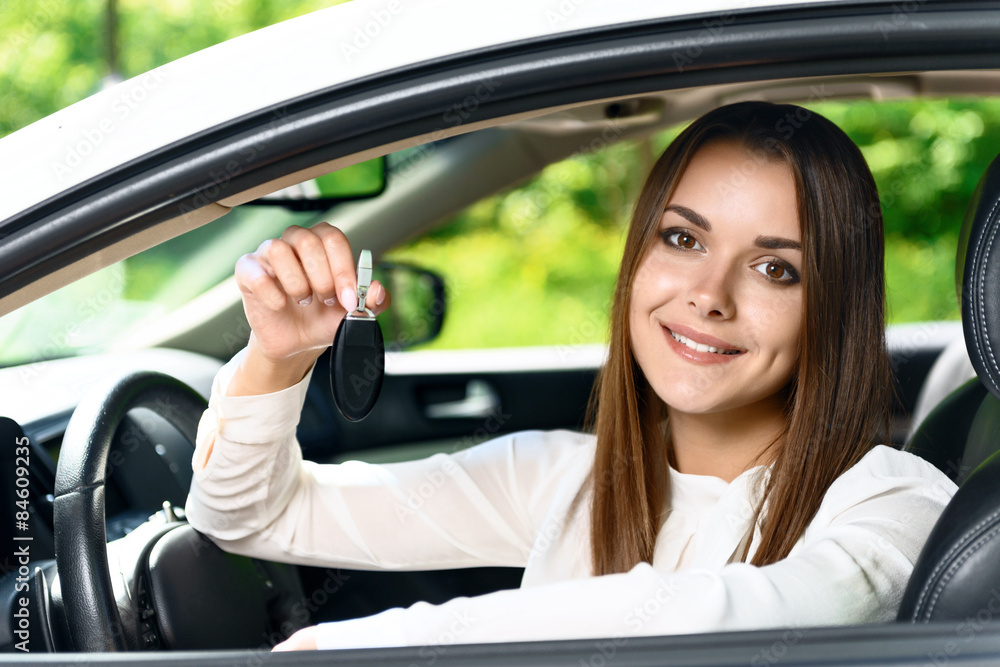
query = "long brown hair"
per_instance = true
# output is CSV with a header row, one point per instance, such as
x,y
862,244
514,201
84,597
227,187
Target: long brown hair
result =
x,y
838,398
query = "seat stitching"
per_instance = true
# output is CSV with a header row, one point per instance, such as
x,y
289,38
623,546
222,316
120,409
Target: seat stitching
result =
x,y
955,567
970,536
982,283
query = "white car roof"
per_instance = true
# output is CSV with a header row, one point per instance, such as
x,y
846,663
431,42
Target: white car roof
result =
x,y
269,67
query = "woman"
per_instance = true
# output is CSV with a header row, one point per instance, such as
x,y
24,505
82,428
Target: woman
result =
x,y
733,480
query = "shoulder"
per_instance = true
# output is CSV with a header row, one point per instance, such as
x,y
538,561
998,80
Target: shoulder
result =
x,y
883,462
889,478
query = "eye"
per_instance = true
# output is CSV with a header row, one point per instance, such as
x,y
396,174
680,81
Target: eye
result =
x,y
681,239
777,271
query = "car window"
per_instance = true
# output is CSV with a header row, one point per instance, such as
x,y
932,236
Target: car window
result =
x,y
926,156
92,314
536,265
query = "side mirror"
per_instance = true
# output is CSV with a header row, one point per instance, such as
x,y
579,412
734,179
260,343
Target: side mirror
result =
x,y
418,305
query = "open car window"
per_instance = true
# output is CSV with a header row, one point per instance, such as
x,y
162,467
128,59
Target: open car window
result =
x,y
529,265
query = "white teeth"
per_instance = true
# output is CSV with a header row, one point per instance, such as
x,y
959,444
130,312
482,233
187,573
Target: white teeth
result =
x,y
699,347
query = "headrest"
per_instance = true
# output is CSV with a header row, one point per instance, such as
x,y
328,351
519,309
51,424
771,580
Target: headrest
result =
x,y
977,275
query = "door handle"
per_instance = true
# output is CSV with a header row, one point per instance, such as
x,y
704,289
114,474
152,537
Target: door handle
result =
x,y
480,401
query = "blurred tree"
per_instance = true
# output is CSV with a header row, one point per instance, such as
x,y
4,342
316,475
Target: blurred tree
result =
x,y
512,251
55,53
544,256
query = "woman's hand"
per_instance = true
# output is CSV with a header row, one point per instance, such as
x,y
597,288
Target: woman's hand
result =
x,y
296,290
303,640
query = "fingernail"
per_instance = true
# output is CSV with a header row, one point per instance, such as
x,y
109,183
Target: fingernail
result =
x,y
331,302
348,299
306,301
381,296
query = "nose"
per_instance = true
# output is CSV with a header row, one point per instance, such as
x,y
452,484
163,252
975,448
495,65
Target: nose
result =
x,y
710,293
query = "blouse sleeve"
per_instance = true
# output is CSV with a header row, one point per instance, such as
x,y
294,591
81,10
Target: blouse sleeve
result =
x,y
851,566
255,495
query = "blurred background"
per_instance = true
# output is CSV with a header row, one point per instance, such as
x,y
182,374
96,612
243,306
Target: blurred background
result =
x,y
926,157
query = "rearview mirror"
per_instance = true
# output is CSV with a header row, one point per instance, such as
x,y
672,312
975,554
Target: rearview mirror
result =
x,y
418,305
359,181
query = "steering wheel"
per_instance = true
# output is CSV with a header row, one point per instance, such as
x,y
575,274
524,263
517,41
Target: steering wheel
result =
x,y
182,583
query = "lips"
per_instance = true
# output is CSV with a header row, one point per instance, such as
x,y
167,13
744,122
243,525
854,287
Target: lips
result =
x,y
696,343
700,347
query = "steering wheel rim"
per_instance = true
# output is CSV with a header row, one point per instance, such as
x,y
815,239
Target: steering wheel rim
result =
x,y
78,510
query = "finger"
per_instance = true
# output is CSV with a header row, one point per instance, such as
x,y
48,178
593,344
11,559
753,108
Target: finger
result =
x,y
378,298
341,260
309,248
289,272
253,280
261,256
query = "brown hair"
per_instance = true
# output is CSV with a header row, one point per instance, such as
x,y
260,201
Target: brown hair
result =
x,y
838,398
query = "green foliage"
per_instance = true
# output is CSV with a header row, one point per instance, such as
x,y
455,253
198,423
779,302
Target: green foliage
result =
x,y
55,53
926,157
535,265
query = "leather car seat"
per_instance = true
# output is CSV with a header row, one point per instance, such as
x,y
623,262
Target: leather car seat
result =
x,y
951,370
957,575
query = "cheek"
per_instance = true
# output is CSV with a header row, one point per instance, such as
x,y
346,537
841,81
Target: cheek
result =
x,y
777,321
654,283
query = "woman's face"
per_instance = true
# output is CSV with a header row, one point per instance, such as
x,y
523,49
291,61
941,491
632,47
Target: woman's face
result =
x,y
717,299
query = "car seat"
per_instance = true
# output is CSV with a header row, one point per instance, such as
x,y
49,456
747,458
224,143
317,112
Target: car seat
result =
x,y
957,575
951,370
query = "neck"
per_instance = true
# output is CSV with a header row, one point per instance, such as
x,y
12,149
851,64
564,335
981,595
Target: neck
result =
x,y
726,444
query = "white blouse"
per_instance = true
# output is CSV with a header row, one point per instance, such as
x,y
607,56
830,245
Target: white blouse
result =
x,y
509,502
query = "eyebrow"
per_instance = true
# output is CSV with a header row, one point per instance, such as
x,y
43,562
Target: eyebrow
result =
x,y
689,215
769,242
776,243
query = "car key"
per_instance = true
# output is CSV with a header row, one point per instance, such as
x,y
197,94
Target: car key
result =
x,y
357,363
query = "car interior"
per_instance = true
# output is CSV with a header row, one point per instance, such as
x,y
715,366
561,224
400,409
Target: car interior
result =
x,y
954,578
124,447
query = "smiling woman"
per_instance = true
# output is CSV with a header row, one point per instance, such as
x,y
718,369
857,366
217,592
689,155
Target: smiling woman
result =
x,y
766,243
733,478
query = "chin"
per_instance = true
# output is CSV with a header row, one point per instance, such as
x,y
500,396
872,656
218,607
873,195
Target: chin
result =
x,y
693,401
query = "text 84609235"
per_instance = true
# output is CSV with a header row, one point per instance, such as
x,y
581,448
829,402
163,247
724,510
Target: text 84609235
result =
x,y
22,543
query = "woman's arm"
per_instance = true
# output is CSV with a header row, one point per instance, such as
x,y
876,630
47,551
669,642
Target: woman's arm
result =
x,y
851,567
256,496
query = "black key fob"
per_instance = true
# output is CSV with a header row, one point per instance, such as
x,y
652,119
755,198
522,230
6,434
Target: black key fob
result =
x,y
357,362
